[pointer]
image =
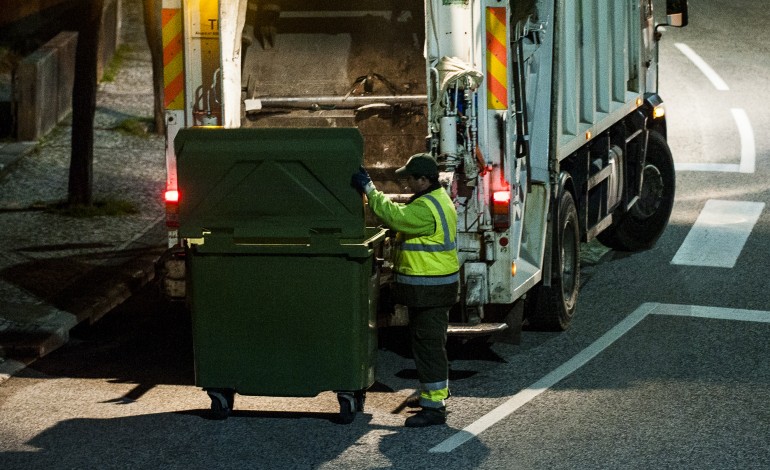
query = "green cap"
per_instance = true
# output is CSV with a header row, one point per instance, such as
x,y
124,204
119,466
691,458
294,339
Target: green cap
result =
x,y
421,164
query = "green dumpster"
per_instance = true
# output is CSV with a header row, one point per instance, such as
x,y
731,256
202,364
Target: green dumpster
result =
x,y
283,278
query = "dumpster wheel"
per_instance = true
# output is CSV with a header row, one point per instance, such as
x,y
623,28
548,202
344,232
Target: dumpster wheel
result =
x,y
350,404
222,401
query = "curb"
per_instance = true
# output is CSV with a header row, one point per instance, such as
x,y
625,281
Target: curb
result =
x,y
11,153
22,346
9,368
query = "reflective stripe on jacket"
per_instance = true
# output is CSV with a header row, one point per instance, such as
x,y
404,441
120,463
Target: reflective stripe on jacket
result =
x,y
430,259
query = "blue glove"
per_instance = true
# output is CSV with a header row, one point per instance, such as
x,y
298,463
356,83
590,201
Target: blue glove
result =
x,y
362,182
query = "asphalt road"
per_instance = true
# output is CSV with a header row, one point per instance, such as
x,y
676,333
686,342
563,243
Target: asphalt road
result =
x,y
665,365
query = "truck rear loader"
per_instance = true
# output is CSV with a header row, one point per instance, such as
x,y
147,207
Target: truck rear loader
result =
x,y
544,117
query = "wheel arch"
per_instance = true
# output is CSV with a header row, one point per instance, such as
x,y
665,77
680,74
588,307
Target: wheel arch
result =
x,y
564,182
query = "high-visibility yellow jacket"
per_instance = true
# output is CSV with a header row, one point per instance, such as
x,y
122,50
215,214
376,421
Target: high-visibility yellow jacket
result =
x,y
427,237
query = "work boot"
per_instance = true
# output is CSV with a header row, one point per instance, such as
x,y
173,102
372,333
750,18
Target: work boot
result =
x,y
413,401
426,417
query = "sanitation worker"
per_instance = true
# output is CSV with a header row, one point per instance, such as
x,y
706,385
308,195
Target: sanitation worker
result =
x,y
426,274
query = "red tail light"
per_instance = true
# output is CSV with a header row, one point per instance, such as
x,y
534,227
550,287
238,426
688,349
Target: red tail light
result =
x,y
501,209
172,208
172,196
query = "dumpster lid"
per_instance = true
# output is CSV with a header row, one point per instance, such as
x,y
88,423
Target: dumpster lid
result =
x,y
269,183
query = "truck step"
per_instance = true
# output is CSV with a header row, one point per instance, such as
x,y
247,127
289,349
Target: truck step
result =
x,y
481,329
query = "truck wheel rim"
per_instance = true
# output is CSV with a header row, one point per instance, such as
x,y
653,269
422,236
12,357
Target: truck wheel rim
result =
x,y
568,263
651,194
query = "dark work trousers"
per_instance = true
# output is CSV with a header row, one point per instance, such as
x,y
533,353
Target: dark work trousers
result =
x,y
428,308
427,332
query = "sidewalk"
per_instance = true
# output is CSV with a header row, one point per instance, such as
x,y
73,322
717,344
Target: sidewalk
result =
x,y
57,271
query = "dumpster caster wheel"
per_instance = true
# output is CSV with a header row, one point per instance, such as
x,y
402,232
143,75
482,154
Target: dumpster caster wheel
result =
x,y
222,401
350,404
360,397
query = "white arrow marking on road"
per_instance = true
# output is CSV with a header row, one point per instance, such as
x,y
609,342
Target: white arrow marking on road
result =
x,y
714,77
719,233
748,150
522,398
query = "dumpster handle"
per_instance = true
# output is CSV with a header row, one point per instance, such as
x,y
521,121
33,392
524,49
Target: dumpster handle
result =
x,y
379,235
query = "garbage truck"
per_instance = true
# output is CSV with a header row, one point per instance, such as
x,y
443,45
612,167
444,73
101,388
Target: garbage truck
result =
x,y
543,115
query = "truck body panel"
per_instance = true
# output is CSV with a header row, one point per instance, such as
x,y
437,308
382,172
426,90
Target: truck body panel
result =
x,y
599,71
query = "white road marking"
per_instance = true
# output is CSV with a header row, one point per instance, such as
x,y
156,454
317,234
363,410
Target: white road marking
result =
x,y
524,396
716,167
714,77
748,150
719,233
716,313
520,399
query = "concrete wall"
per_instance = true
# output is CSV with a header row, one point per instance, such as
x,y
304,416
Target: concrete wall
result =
x,y
64,46
43,81
36,94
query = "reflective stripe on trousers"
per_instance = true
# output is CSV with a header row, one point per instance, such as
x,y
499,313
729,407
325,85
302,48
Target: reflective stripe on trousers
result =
x,y
433,395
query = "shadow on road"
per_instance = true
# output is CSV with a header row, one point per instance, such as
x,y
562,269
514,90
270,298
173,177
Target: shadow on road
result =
x,y
145,341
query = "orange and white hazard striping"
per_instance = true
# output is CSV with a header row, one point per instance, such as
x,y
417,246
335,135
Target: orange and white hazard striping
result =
x,y
173,59
497,59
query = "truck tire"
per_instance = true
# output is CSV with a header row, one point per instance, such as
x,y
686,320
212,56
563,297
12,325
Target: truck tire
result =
x,y
550,308
639,228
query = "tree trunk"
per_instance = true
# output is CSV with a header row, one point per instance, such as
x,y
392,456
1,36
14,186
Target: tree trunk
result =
x,y
84,104
153,30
